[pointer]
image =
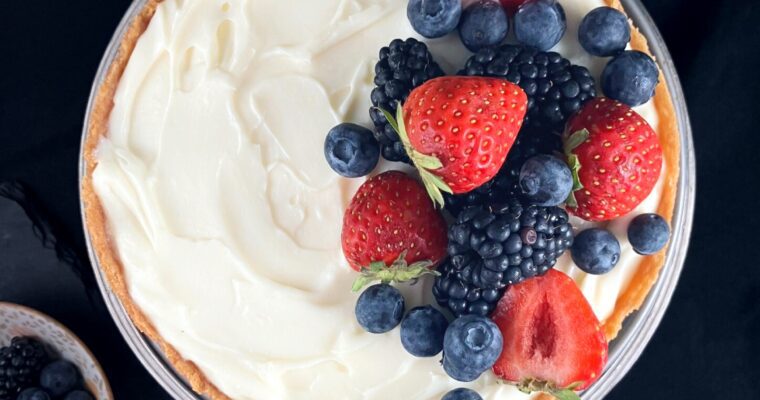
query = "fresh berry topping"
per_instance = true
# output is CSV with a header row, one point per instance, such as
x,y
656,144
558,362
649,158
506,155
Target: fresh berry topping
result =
x,y
546,180
434,18
20,365
511,5
596,251
379,308
462,394
604,32
33,394
391,231
630,78
648,233
530,142
540,24
351,150
470,347
78,395
59,377
493,247
552,339
403,65
615,157
556,88
422,331
458,130
484,24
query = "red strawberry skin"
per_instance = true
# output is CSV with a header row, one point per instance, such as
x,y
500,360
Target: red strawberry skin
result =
x,y
620,161
550,333
511,5
389,214
468,123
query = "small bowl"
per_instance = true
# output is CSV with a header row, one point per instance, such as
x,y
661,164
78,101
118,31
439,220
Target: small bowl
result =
x,y
17,320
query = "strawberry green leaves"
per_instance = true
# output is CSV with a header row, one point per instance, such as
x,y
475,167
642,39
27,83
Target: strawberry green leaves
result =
x,y
534,385
573,141
399,271
424,163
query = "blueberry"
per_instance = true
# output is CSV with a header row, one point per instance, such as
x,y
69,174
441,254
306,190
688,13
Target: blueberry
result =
x,y
483,24
471,346
59,377
351,150
380,308
422,331
630,78
33,394
604,32
78,395
648,233
540,24
434,18
546,180
595,251
462,394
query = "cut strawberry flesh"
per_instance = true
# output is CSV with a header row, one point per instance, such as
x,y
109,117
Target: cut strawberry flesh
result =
x,y
550,334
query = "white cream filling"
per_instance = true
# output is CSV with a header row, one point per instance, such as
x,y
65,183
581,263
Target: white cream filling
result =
x,y
227,218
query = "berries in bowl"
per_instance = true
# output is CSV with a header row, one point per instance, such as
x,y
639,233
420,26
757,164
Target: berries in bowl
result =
x,y
41,359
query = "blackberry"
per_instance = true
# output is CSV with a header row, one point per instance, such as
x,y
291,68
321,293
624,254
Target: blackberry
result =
x,y
556,88
492,247
529,143
20,365
403,65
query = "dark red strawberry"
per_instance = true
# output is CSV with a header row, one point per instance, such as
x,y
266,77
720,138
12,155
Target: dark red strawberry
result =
x,y
512,5
552,340
616,159
458,130
391,230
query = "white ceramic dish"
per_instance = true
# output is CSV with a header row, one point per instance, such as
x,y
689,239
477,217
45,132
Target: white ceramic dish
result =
x,y
17,320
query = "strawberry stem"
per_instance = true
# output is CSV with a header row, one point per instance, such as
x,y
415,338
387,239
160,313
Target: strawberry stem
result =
x,y
534,385
424,163
575,140
398,271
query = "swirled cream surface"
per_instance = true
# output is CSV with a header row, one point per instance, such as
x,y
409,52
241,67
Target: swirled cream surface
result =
x,y
227,218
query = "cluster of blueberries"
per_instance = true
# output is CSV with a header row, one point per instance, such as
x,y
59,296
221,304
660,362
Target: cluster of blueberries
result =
x,y
630,76
471,344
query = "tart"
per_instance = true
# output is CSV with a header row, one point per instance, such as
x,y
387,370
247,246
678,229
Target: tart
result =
x,y
217,223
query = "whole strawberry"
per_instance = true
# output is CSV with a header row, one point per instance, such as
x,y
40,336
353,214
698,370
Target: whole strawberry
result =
x,y
391,231
615,157
458,130
552,340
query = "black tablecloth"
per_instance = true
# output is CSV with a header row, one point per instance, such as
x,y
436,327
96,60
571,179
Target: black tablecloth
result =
x,y
706,348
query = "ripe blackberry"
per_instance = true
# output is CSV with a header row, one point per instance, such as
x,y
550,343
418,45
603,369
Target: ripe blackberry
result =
x,y
529,143
492,247
403,65
556,88
20,365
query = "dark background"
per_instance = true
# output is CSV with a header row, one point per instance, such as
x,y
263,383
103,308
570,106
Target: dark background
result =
x,y
706,347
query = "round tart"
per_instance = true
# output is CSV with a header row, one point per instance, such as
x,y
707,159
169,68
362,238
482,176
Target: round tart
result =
x,y
217,222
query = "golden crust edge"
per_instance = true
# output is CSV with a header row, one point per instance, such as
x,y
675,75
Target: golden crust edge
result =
x,y
628,302
95,216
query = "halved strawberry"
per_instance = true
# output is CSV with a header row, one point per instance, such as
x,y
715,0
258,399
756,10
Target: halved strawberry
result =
x,y
553,342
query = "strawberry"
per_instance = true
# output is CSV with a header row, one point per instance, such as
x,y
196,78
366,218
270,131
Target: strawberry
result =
x,y
391,231
458,130
512,5
552,340
615,157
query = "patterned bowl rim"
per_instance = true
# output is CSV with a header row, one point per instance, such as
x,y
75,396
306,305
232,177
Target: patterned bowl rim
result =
x,y
67,331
